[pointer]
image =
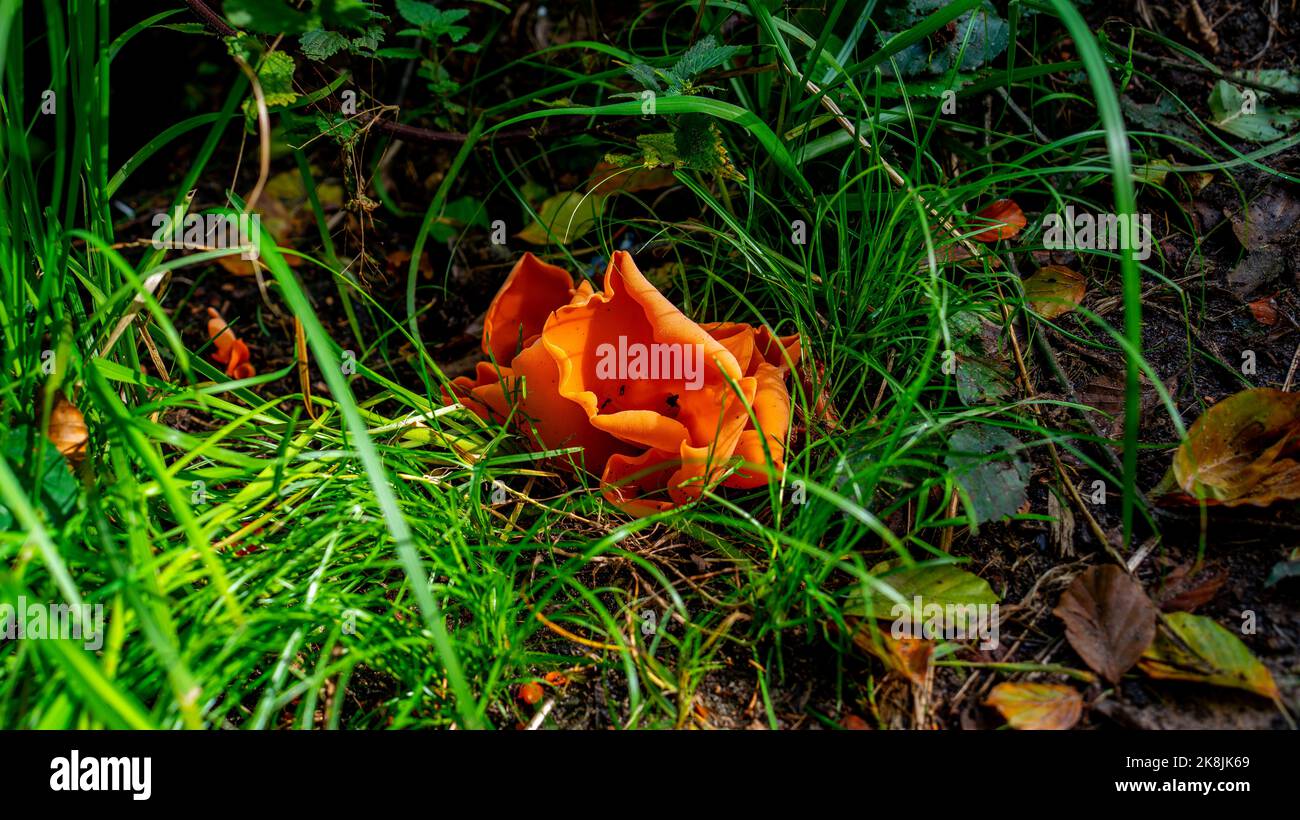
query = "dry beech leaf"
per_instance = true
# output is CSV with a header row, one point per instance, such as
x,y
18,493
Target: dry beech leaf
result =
x,y
1195,648
1004,217
1054,290
608,178
1037,705
1109,620
1243,450
68,430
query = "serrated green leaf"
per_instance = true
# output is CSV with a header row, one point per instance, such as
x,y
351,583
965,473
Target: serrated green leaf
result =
x,y
966,43
275,75
432,22
701,57
645,75
368,42
982,381
319,44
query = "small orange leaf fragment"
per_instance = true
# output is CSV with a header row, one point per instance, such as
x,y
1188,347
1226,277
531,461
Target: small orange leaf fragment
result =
x,y
854,723
1264,310
1006,217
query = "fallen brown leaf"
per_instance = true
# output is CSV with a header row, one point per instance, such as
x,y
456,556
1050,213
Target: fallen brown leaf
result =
x,y
1054,290
1109,620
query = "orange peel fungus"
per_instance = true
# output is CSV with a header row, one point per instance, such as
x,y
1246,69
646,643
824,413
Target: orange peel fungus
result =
x,y
228,349
660,405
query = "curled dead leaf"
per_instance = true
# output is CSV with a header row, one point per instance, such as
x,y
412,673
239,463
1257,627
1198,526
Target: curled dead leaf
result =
x,y
1187,588
1243,450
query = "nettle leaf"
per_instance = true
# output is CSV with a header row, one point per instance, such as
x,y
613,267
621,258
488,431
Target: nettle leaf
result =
x,y
973,39
695,145
432,22
418,12
337,127
985,461
1251,119
701,57
275,75
319,44
367,43
266,16
276,78
646,75
243,46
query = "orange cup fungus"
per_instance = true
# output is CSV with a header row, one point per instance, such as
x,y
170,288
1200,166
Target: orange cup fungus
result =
x,y
660,405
